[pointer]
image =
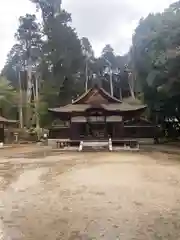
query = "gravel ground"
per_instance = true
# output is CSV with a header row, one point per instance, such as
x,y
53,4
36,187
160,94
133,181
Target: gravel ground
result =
x,y
85,196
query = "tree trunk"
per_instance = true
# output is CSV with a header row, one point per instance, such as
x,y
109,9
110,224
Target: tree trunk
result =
x,y
111,83
36,98
28,93
20,102
87,78
131,86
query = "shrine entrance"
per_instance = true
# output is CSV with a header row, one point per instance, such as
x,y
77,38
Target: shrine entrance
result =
x,y
97,130
96,124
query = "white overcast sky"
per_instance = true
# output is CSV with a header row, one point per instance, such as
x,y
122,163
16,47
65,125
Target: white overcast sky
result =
x,y
102,21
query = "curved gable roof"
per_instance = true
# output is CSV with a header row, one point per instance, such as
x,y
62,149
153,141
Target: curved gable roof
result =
x,y
98,95
100,98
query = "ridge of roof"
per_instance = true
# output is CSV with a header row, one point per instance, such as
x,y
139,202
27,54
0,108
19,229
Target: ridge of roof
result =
x,y
82,96
97,88
109,95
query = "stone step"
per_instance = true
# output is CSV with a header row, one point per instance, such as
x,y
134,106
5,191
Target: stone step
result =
x,y
95,144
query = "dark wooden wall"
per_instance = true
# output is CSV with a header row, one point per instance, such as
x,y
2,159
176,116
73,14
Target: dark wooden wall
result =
x,y
140,132
2,136
115,130
59,133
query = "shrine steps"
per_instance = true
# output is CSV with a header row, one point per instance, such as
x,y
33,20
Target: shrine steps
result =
x,y
107,145
93,146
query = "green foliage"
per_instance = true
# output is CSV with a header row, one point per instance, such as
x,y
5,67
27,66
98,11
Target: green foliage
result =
x,y
28,46
62,54
54,51
155,59
8,98
64,62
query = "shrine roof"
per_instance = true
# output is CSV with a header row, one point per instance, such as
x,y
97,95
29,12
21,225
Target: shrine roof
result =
x,y
117,107
96,95
97,98
5,120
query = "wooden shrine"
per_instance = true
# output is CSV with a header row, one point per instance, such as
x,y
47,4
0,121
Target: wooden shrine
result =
x,y
4,123
96,115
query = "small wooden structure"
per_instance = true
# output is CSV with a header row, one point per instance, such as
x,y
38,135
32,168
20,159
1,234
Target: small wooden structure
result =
x,y
97,116
4,123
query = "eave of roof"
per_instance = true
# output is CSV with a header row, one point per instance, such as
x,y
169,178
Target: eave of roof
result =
x,y
5,120
71,108
122,107
117,107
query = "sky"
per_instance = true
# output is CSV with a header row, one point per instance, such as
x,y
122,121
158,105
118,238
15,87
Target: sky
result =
x,y
102,21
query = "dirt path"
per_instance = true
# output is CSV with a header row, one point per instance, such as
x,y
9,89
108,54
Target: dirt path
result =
x,y
11,151
90,196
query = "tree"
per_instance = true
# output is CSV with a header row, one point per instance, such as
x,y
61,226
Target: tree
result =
x,y
49,9
155,57
88,53
8,98
108,54
23,57
29,36
14,60
52,51
63,64
62,49
111,70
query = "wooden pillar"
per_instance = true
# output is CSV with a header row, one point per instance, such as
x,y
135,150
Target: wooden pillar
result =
x,y
2,132
72,131
86,134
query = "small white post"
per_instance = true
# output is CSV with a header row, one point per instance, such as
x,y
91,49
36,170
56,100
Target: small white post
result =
x,y
138,146
110,145
1,144
81,146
